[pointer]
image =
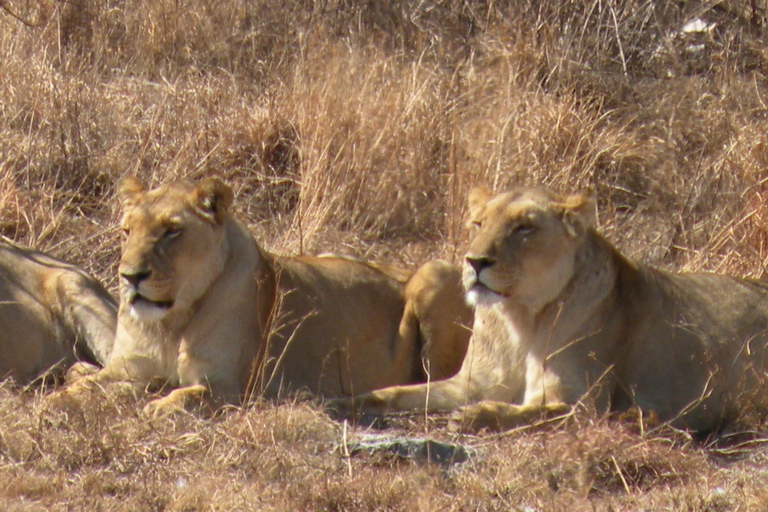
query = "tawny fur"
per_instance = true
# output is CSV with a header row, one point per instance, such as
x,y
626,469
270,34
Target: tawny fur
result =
x,y
51,315
561,316
206,310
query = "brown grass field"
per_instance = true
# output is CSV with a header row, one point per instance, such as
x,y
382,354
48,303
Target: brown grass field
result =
x,y
357,127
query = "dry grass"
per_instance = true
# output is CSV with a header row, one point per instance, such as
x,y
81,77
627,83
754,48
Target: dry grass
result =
x,y
105,456
358,127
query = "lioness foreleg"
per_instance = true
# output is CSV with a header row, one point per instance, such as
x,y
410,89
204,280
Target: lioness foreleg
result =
x,y
440,396
500,416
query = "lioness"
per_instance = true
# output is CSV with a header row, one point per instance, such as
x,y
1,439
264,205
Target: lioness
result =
x,y
561,316
51,314
202,307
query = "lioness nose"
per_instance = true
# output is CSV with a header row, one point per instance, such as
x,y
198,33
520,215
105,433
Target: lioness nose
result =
x,y
479,263
135,277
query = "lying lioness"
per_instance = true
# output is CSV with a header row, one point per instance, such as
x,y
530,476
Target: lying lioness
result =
x,y
204,309
51,315
561,316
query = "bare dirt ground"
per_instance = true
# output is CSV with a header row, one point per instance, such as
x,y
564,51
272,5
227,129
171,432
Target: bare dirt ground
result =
x,y
358,127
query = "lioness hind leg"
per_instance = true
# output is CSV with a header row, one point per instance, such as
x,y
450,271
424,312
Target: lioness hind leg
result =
x,y
175,401
500,416
437,316
89,312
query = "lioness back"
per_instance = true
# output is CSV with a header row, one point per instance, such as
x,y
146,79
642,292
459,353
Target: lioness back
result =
x,y
52,314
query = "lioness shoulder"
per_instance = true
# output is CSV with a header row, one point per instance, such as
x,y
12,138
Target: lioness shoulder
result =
x,y
561,316
206,310
52,314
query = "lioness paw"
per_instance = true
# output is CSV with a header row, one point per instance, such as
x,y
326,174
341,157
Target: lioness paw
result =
x,y
71,395
359,407
482,416
79,371
499,416
340,408
162,407
176,401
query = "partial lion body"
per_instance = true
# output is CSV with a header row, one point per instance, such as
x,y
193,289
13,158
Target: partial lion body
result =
x,y
206,310
561,317
491,370
380,326
326,357
695,347
51,315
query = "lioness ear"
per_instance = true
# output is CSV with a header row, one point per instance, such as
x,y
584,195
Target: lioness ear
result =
x,y
478,198
212,198
579,213
129,190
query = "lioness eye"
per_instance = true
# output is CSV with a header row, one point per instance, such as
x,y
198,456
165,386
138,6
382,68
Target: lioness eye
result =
x,y
525,229
172,232
126,232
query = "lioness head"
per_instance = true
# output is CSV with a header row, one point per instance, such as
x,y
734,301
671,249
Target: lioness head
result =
x,y
174,244
524,246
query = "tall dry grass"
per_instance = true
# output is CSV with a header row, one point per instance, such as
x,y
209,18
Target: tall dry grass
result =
x,y
358,127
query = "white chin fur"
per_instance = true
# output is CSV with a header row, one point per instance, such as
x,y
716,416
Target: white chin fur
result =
x,y
477,296
471,297
147,312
